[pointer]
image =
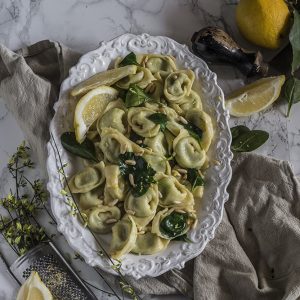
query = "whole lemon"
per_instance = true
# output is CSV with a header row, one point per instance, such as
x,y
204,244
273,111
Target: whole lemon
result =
x,y
263,22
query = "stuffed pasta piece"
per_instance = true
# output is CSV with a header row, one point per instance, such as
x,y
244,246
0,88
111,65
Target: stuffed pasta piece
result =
x,y
88,179
142,206
174,194
149,243
172,223
138,119
113,143
101,219
124,235
188,151
178,85
161,64
115,187
203,121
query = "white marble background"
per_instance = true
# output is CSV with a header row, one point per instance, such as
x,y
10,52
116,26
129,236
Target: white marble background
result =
x,y
82,24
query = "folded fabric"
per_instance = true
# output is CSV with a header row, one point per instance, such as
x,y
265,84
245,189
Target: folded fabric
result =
x,y
256,250
29,85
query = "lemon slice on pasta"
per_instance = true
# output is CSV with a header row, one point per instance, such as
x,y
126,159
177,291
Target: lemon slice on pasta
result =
x,y
90,107
34,289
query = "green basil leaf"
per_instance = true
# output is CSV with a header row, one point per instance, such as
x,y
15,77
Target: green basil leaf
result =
x,y
173,225
249,141
193,130
85,150
160,119
238,130
194,178
292,92
135,96
183,238
129,59
142,172
295,41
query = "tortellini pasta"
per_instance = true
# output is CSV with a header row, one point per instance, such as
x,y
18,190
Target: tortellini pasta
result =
x,y
171,223
203,121
142,206
149,243
188,151
152,144
158,144
139,122
156,90
124,234
101,219
114,118
178,84
91,199
162,64
142,78
113,143
158,162
187,103
174,194
115,186
88,179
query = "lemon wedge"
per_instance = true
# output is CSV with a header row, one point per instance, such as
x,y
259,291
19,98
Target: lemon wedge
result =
x,y
105,78
254,97
34,289
90,107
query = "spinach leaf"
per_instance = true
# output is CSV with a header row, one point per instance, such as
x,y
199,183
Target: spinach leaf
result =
x,y
159,118
193,130
135,96
295,41
129,59
249,141
143,174
237,130
194,178
183,238
292,92
85,150
174,225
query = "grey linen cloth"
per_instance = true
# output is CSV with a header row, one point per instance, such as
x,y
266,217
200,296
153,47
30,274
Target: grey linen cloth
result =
x,y
256,250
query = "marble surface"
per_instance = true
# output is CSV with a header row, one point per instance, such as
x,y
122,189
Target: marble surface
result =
x,y
82,24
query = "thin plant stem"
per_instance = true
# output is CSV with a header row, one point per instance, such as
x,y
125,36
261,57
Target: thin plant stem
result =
x,y
99,244
107,283
50,215
93,286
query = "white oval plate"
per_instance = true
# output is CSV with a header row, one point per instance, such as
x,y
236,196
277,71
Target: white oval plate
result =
x,y
217,176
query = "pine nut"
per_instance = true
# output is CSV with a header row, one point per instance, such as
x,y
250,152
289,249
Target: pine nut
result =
x,y
183,120
131,180
130,162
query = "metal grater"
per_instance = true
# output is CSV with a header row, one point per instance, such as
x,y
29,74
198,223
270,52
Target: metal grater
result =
x,y
54,271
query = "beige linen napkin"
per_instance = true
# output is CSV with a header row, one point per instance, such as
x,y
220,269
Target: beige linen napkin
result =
x,y
29,85
256,251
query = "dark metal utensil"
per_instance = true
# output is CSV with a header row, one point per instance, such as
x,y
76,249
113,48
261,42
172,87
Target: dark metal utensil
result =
x,y
55,272
214,45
